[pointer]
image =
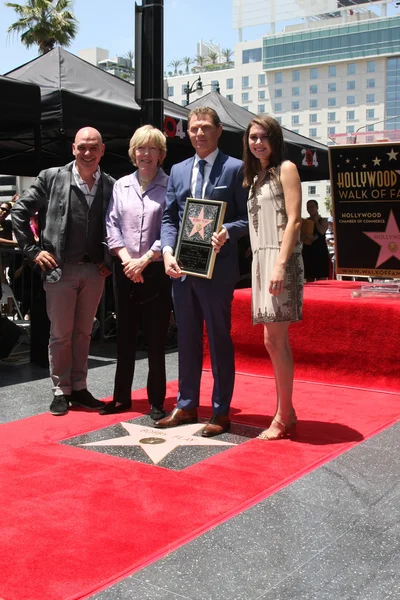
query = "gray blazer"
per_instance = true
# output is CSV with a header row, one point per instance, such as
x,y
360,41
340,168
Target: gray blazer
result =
x,y
49,195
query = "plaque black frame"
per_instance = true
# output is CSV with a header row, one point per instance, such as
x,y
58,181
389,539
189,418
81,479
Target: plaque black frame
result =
x,y
364,196
196,256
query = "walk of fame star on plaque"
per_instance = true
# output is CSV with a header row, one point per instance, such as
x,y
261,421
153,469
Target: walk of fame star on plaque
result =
x,y
194,250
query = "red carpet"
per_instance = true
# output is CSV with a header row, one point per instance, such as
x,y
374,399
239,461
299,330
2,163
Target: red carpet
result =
x,y
341,340
73,521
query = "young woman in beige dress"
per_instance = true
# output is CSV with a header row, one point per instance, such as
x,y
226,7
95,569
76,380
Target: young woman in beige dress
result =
x,y
274,208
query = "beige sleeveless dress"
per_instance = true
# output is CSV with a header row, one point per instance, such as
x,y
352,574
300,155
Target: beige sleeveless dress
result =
x,y
267,222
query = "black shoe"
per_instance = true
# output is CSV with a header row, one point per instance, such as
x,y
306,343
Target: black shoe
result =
x,y
84,399
157,413
113,408
60,405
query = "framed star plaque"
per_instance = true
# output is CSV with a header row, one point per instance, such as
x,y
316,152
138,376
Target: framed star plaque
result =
x,y
365,187
194,252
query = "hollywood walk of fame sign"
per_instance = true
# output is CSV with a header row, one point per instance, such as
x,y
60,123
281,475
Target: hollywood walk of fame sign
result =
x,y
365,188
194,251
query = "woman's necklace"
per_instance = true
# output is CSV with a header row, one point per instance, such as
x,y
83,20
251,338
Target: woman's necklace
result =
x,y
144,183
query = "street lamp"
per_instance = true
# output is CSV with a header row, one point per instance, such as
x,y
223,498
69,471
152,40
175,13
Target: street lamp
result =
x,y
196,86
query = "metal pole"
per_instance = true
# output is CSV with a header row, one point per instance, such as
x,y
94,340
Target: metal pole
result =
x,y
152,62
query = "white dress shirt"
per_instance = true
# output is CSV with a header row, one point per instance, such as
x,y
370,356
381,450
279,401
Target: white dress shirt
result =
x,y
210,159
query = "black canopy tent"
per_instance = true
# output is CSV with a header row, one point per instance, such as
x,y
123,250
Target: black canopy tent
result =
x,y
310,157
20,112
77,94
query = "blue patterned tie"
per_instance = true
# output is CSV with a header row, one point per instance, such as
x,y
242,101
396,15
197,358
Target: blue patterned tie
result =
x,y
198,192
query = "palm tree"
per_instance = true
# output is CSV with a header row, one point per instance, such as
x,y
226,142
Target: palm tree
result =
x,y
175,64
45,23
187,61
213,56
130,56
201,61
227,54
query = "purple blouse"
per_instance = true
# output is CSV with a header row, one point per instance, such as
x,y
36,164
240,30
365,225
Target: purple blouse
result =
x,y
133,220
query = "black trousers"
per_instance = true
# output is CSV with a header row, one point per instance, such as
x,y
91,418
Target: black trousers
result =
x,y
148,304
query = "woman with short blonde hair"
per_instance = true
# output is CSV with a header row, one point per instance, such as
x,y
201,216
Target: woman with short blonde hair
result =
x,y
142,290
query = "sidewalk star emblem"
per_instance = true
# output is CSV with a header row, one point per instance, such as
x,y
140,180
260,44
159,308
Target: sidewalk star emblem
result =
x,y
156,443
199,224
389,240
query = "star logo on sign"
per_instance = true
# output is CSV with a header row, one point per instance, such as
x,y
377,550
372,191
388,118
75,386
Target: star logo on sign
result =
x,y
388,240
347,160
158,443
392,155
377,161
199,224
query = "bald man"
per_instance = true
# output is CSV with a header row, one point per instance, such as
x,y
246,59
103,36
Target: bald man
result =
x,y
71,202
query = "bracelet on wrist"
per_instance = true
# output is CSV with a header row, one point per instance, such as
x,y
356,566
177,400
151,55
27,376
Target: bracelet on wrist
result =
x,y
149,256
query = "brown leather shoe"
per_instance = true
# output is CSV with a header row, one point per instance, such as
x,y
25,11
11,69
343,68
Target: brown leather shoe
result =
x,y
178,417
217,425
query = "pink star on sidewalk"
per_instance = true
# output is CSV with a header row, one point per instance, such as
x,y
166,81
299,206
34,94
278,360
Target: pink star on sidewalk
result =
x,y
389,240
199,223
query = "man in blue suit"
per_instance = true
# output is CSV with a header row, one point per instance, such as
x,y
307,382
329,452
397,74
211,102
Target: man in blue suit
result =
x,y
212,175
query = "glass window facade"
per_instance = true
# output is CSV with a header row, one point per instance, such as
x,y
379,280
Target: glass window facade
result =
x,y
351,69
314,103
392,93
371,66
351,100
261,80
313,89
339,42
370,83
370,113
332,71
331,130
296,105
313,118
314,73
295,91
261,109
245,82
331,117
278,107
312,190
278,77
296,75
229,84
351,85
331,101
295,120
350,129
252,56
245,97
351,115
170,90
261,95
278,93
312,132
370,98
229,97
331,87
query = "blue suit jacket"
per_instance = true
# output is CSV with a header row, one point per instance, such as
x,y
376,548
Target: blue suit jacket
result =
x,y
225,183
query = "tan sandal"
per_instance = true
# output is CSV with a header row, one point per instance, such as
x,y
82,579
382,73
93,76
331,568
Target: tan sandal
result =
x,y
286,430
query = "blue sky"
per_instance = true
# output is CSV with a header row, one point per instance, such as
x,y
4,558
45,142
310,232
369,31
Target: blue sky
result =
x,y
111,26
